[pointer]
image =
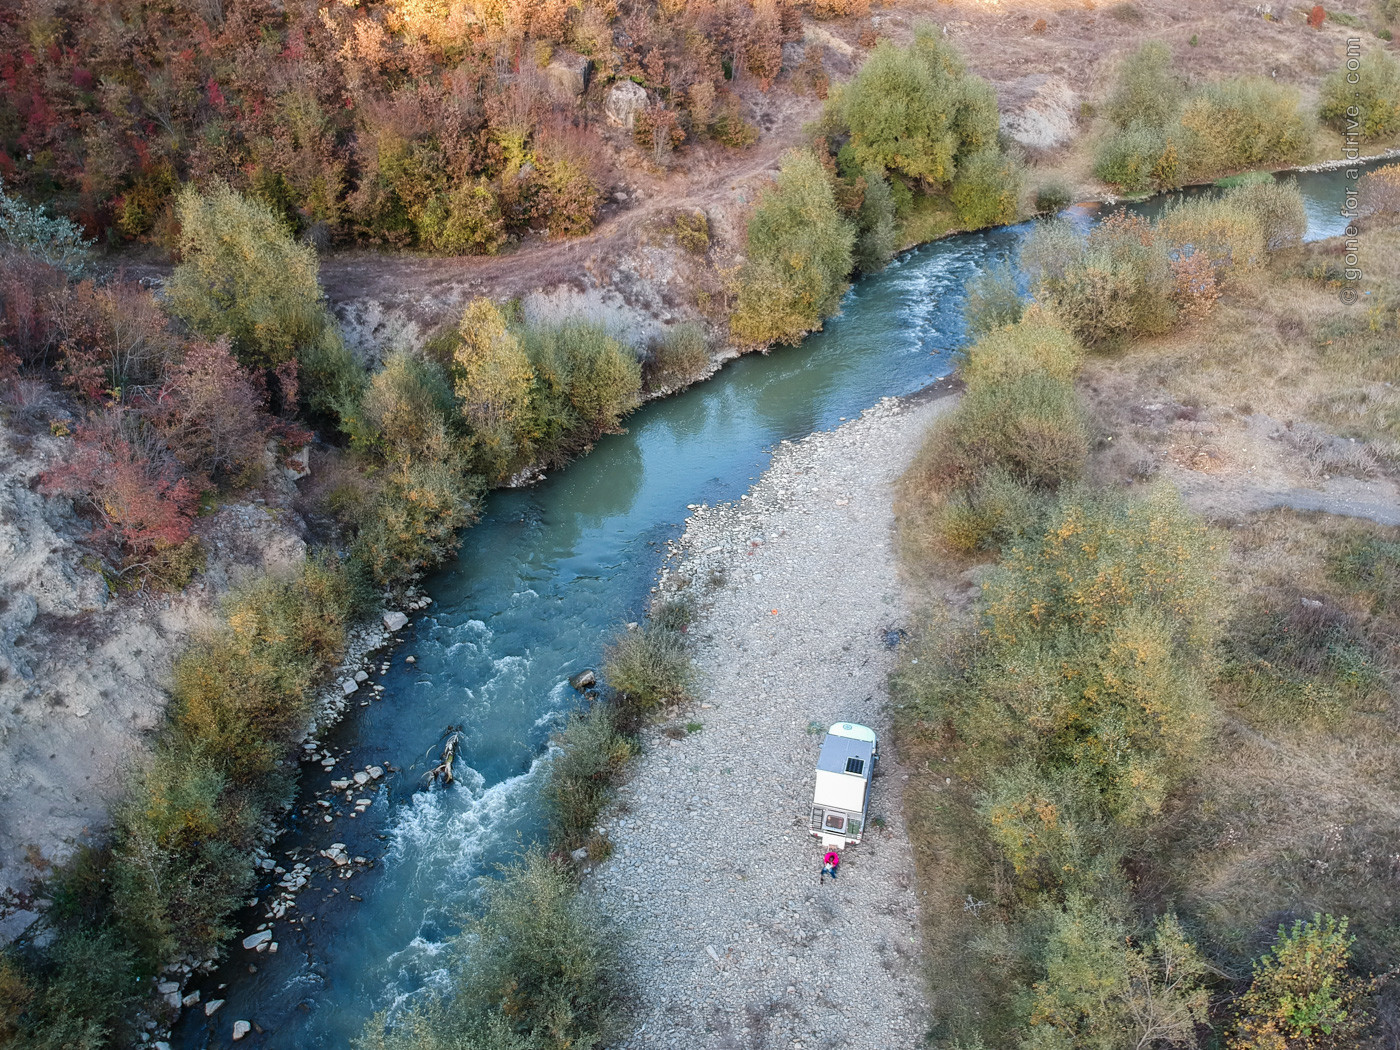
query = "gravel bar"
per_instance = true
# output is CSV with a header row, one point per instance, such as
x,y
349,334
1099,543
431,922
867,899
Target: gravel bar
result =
x,y
734,940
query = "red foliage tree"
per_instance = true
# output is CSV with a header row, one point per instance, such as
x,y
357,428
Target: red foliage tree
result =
x,y
1317,16
141,498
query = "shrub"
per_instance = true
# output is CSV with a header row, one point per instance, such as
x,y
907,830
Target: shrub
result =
x,y
993,300
1034,345
1102,991
589,759
492,380
1375,92
1277,207
877,233
692,231
647,667
536,970
1231,237
81,997
987,189
1098,634
415,523
243,691
1030,426
115,337
992,512
179,857
1303,994
132,484
1379,192
585,382
571,163
56,242
407,411
799,253
1053,196
211,413
1242,123
242,276
1116,283
1137,158
467,221
679,356
32,295
1149,92
914,110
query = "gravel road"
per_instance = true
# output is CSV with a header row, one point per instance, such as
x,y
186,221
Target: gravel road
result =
x,y
734,940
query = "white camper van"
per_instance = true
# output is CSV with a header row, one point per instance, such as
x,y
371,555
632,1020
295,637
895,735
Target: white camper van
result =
x,y
844,769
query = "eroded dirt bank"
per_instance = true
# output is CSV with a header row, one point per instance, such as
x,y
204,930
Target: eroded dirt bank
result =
x,y
734,941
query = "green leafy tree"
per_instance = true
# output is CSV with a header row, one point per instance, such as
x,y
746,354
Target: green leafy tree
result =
x,y
1303,995
1149,92
1374,92
799,254
242,275
877,234
493,380
915,110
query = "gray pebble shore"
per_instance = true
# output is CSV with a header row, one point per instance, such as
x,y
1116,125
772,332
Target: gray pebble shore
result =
x,y
734,941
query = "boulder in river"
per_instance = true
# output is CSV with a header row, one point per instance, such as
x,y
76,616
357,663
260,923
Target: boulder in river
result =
x,y
253,940
395,620
240,1029
584,680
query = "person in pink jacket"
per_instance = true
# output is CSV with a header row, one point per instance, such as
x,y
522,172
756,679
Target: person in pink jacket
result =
x,y
830,863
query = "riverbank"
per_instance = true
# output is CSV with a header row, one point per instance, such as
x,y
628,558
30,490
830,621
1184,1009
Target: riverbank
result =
x,y
713,871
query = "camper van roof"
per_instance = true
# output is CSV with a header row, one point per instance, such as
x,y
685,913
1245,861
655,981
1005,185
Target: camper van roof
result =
x,y
852,730
838,750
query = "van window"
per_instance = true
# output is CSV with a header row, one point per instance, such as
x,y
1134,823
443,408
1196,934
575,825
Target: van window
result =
x,y
835,821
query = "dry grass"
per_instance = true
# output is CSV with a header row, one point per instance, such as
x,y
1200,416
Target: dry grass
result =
x,y
1287,348
1297,809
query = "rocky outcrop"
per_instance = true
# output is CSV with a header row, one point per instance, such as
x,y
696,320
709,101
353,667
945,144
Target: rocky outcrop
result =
x,y
625,100
567,75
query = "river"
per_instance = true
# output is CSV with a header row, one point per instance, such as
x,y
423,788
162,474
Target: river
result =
x,y
543,580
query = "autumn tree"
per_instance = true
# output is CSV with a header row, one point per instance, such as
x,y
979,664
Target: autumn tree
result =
x,y
798,257
915,111
243,277
133,485
212,413
492,381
